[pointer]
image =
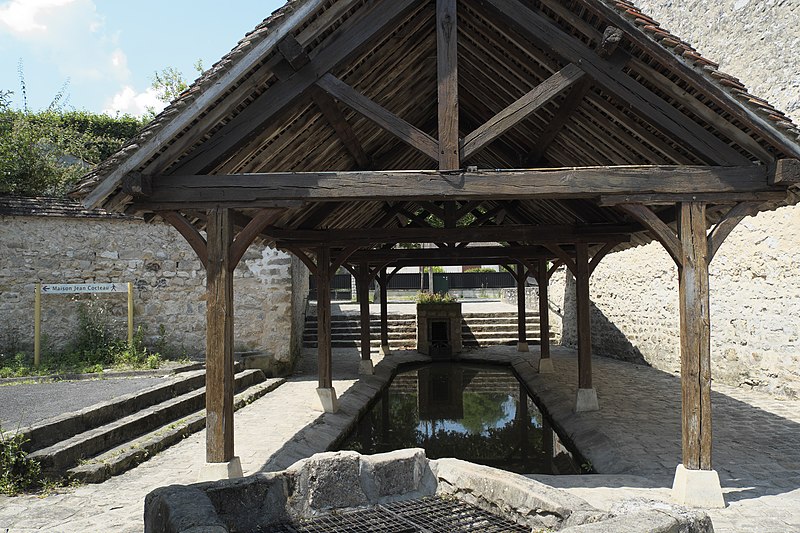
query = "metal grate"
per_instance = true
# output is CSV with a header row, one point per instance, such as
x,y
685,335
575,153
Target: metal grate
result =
x,y
426,515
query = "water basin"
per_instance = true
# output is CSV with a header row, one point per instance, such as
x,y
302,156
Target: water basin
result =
x,y
478,413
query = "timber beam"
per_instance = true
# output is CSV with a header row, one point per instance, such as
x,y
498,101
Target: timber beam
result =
x,y
275,189
599,233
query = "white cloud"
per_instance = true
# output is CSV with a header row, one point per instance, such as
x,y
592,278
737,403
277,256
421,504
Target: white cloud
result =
x,y
29,16
128,101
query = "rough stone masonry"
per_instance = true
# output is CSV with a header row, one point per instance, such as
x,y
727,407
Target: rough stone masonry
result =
x,y
755,278
66,246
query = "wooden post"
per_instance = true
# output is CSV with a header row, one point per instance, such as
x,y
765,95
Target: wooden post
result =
x,y
583,317
543,280
447,74
695,322
363,300
383,282
130,313
219,338
325,390
324,318
522,342
365,366
37,326
587,396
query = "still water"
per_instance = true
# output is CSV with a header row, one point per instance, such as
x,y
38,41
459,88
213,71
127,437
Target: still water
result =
x,y
481,414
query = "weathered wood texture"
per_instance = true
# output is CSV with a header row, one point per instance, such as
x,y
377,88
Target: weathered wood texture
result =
x,y
590,182
521,109
362,282
219,338
523,233
188,232
609,75
543,282
522,275
344,42
583,312
787,172
324,356
447,75
383,283
381,116
695,325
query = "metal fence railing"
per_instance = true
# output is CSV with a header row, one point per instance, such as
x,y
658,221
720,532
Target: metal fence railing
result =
x,y
341,285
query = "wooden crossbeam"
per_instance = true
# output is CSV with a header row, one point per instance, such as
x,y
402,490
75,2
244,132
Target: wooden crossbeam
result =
x,y
521,109
646,103
258,190
227,80
447,254
381,116
599,233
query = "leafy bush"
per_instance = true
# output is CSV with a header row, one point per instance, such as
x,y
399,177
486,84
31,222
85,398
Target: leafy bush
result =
x,y
425,297
18,472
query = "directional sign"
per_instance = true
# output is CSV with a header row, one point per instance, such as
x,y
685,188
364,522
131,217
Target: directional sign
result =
x,y
82,288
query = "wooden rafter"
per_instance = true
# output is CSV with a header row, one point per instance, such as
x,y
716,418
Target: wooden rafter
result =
x,y
521,109
381,116
344,42
571,102
646,103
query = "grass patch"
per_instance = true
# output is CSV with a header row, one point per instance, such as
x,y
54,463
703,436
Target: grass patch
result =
x,y
93,350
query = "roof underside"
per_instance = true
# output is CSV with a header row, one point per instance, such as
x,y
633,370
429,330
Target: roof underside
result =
x,y
265,108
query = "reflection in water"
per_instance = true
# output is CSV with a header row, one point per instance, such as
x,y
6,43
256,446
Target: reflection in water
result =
x,y
464,411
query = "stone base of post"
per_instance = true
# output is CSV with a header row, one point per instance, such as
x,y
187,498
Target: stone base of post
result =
x,y
216,471
327,398
546,366
697,488
586,400
365,367
522,347
385,350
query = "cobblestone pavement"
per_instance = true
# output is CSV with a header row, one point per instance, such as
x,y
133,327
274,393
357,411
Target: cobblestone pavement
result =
x,y
117,505
756,449
756,442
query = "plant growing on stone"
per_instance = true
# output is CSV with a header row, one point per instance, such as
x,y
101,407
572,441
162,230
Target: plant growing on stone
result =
x,y
18,473
425,297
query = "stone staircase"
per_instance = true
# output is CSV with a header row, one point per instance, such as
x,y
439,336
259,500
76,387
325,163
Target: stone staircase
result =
x,y
477,330
111,437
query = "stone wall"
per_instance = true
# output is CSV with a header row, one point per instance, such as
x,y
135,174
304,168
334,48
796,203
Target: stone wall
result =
x,y
755,305
755,281
169,285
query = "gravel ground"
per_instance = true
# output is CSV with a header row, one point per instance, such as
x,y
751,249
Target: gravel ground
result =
x,y
26,404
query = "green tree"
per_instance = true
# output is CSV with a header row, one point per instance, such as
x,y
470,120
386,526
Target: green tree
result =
x,y
170,83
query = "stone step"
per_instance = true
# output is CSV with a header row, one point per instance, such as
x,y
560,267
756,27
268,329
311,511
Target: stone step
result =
x,y
125,456
67,425
62,455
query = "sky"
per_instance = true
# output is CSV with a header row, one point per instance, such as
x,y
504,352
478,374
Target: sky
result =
x,y
105,52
